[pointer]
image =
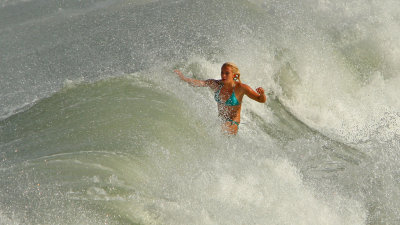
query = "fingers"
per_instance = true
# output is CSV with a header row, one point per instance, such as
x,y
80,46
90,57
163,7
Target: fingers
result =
x,y
260,90
179,73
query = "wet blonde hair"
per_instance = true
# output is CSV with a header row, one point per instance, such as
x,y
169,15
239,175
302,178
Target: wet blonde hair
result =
x,y
235,70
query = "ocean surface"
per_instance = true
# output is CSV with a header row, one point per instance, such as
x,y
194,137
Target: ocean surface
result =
x,y
95,128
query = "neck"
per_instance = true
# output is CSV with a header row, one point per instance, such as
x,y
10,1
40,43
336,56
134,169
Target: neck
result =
x,y
229,83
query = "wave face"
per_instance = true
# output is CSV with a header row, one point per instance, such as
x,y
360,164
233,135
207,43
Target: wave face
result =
x,y
95,127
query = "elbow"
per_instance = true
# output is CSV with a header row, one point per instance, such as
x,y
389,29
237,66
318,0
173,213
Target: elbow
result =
x,y
262,99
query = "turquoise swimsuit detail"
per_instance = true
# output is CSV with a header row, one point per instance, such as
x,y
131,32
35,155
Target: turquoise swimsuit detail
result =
x,y
233,122
232,101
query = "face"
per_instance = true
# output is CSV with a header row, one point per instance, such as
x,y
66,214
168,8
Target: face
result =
x,y
226,74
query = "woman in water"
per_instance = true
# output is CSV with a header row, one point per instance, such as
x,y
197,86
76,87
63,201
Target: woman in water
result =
x,y
229,92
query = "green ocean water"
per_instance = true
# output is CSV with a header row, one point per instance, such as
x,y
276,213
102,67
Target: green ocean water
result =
x,y
97,129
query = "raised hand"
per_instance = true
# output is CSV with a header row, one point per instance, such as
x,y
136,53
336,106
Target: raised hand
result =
x,y
260,90
179,74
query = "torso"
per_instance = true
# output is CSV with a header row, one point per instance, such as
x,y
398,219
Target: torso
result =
x,y
225,108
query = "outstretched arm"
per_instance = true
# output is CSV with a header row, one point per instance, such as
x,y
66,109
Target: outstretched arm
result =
x,y
257,95
193,82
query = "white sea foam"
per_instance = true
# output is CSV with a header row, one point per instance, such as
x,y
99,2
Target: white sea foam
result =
x,y
323,150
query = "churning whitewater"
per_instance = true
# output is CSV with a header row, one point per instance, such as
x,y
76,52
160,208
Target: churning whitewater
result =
x,y
95,128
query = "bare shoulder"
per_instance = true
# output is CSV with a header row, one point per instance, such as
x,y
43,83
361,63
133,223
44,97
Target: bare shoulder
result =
x,y
247,90
213,84
243,86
